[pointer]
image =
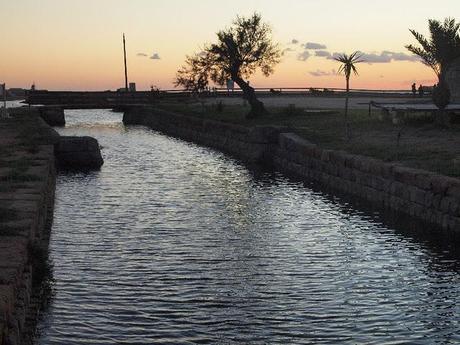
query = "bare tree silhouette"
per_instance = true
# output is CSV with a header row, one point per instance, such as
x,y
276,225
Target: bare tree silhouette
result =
x,y
240,50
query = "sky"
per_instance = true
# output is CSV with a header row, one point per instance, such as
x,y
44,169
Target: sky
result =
x,y
77,44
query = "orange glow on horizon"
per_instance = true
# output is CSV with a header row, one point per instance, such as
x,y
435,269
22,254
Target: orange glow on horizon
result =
x,y
63,45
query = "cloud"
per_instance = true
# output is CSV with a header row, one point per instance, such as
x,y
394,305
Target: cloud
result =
x,y
294,41
322,53
314,46
141,54
375,57
371,58
288,50
402,56
388,56
304,55
321,73
155,56
333,56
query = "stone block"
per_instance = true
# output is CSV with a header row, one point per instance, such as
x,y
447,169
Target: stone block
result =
x,y
52,115
440,184
80,153
454,224
445,204
437,201
417,195
387,171
337,157
405,175
397,189
454,190
423,180
325,156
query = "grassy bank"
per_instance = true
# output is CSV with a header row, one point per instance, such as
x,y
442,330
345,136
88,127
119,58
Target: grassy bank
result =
x,y
417,143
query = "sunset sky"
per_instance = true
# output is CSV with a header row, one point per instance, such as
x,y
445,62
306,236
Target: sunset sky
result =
x,y
77,45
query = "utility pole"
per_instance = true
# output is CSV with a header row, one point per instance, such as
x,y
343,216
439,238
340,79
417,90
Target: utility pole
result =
x,y
126,68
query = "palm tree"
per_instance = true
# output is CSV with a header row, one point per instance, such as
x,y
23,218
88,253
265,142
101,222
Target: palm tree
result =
x,y
347,66
438,52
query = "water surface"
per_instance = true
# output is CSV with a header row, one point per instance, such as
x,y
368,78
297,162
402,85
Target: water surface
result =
x,y
172,243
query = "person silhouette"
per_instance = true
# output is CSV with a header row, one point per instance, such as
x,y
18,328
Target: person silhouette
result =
x,y
414,89
420,90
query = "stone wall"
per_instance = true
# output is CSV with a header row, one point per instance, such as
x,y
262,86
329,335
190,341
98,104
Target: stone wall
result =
x,y
248,144
423,195
27,192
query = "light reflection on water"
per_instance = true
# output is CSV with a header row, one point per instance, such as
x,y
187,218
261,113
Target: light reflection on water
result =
x,y
172,243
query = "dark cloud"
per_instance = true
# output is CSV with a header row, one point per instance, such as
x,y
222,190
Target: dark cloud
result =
x,y
294,41
382,57
288,50
321,73
155,56
322,53
141,54
333,56
375,58
402,56
388,56
314,46
304,55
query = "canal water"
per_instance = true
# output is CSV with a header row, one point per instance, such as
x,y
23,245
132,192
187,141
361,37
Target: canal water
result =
x,y
173,243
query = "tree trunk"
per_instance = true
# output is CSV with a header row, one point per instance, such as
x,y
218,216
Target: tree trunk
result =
x,y
257,107
441,98
347,126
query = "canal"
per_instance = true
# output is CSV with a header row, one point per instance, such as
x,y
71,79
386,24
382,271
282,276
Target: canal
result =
x,y
173,243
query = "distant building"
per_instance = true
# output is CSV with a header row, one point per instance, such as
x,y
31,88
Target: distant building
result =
x,y
453,80
17,92
131,88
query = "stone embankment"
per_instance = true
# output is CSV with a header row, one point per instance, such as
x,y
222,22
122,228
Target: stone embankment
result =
x,y
248,144
27,184
426,196
52,115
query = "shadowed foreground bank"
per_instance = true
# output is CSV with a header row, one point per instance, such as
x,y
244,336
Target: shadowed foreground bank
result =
x,y
27,182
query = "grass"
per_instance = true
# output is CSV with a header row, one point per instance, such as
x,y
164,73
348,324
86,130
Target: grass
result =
x,y
418,142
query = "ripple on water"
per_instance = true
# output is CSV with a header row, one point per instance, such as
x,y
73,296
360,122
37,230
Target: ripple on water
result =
x,y
171,243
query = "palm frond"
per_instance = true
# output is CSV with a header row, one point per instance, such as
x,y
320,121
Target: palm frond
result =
x,y
441,48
